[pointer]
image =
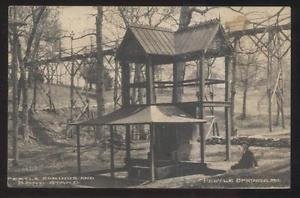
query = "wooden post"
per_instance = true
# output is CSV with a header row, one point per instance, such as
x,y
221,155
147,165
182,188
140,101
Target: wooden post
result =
x,y
127,140
150,98
116,81
175,86
281,99
201,106
78,149
72,75
280,85
269,79
125,69
152,157
227,133
112,163
233,91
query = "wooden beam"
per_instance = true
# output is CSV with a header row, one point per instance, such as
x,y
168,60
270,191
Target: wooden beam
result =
x,y
196,103
192,84
200,68
125,69
216,81
112,162
115,85
152,157
175,84
233,88
138,85
227,132
127,140
78,149
106,52
269,79
254,31
72,87
99,172
150,98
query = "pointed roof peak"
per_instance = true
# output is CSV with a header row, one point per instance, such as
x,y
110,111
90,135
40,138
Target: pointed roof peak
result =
x,y
150,28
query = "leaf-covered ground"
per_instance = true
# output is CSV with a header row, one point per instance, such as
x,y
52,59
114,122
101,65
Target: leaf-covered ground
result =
x,y
52,154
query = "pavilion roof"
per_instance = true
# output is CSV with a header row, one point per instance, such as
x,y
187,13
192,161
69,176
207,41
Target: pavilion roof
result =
x,y
145,114
164,42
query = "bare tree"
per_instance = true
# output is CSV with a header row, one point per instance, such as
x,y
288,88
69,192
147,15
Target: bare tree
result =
x,y
248,68
44,44
99,68
36,14
14,80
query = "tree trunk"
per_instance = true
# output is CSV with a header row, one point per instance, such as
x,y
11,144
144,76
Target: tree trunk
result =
x,y
189,146
233,89
269,80
244,111
25,130
186,143
184,21
99,69
34,69
278,111
15,96
24,124
33,104
138,78
19,89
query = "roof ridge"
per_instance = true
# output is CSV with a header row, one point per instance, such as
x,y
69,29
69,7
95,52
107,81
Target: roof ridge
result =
x,y
151,28
200,25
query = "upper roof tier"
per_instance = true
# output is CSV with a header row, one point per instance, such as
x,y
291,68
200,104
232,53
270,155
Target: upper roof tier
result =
x,y
166,46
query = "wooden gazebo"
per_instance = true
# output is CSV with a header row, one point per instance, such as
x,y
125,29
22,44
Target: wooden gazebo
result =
x,y
156,46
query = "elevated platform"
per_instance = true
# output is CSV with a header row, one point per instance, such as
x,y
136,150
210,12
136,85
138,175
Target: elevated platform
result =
x,y
140,169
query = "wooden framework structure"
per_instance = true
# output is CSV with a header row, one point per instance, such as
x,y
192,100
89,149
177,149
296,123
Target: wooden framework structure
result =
x,y
154,46
175,56
75,58
273,49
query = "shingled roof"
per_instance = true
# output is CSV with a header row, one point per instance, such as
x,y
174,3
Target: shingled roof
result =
x,y
161,41
155,40
145,114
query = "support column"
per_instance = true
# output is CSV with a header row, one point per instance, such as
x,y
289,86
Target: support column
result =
x,y
115,88
152,157
175,85
201,106
269,79
280,84
78,149
72,75
127,140
233,90
125,69
112,162
150,96
227,132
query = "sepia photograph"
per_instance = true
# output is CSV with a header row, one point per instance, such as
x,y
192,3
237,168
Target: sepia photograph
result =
x,y
191,97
